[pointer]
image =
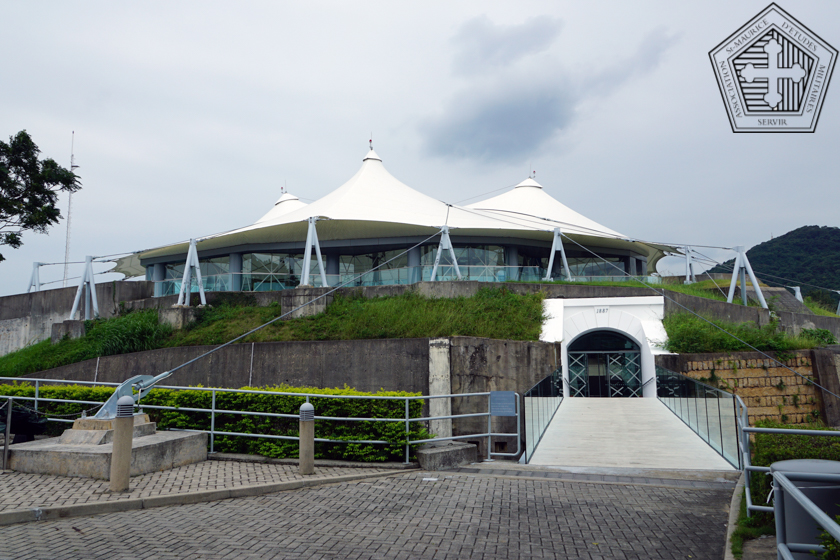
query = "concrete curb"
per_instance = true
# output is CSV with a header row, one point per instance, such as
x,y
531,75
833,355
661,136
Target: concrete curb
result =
x,y
96,508
243,458
734,511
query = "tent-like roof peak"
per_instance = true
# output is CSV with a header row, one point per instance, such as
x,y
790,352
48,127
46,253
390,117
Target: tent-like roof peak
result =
x,y
529,182
372,155
285,204
285,197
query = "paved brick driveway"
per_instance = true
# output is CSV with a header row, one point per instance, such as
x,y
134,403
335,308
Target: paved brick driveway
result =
x,y
404,516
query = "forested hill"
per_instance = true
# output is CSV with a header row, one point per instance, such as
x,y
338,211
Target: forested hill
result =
x,y
808,255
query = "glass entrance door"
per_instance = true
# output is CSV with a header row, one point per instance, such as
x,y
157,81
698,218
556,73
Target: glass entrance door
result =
x,y
605,364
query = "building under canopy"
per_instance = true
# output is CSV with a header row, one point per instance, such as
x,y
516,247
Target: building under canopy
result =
x,y
373,218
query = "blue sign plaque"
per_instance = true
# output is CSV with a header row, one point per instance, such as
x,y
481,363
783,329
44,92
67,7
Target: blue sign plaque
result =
x,y
502,403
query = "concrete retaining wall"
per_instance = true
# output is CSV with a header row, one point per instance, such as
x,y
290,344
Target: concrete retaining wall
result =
x,y
28,318
460,365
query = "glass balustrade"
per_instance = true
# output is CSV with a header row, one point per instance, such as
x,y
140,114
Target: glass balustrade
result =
x,y
541,402
275,281
708,411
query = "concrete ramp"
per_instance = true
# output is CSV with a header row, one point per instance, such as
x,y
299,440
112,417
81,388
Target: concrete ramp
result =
x,y
623,433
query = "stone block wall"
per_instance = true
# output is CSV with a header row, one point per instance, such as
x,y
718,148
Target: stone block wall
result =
x,y
770,391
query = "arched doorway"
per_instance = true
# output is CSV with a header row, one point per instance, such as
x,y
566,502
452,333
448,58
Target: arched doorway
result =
x,y
605,363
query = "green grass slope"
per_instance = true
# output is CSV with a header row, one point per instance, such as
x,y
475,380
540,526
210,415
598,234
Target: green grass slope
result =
x,y
491,313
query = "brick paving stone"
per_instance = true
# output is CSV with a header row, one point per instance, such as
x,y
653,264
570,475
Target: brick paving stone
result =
x,y
459,516
24,490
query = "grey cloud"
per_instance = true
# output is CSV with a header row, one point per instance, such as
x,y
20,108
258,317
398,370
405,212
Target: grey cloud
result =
x,y
482,45
505,127
518,118
646,58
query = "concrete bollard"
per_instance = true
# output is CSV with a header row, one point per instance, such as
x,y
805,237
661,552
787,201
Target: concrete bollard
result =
x,y
121,452
306,451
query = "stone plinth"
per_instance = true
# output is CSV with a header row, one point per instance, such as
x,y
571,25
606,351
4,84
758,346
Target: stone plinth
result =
x,y
177,317
86,450
106,423
72,329
446,455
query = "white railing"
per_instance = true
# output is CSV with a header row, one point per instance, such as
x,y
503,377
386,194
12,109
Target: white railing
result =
x,y
214,411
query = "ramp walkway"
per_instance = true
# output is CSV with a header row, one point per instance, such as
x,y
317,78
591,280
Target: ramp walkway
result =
x,y
623,433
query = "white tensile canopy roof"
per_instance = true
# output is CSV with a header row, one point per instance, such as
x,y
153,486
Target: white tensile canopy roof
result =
x,y
528,199
374,204
285,204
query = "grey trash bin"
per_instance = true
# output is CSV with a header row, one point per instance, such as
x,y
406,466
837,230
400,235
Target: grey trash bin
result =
x,y
799,526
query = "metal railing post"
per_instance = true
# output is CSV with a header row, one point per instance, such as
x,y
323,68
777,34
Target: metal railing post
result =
x,y
407,434
212,420
37,391
8,435
489,429
779,506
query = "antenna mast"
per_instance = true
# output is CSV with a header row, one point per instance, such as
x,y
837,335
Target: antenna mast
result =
x,y
73,166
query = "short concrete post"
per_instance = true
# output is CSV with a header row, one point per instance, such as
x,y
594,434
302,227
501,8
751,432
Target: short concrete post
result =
x,y
306,452
121,452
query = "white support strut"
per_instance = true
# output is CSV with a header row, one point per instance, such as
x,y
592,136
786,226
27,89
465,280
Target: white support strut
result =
x,y
689,266
445,245
743,268
312,241
87,286
557,245
35,279
186,281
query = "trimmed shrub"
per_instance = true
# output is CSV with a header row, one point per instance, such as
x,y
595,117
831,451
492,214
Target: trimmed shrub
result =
x,y
392,432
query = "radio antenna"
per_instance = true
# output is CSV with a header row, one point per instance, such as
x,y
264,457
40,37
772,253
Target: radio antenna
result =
x,y
73,166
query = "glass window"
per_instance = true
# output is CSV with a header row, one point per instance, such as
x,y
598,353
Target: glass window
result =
x,y
602,341
356,264
468,255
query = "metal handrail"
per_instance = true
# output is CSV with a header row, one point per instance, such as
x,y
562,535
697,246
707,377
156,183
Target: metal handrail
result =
x,y
784,481
489,434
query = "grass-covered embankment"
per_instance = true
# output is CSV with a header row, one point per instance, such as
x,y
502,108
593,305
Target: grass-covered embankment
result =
x,y
133,332
491,313
690,334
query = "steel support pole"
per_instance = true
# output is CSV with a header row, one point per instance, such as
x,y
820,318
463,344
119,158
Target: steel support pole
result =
x,y
779,513
444,245
307,254
317,245
9,404
735,272
212,421
489,429
743,274
557,245
185,278
197,266
407,435
35,279
746,264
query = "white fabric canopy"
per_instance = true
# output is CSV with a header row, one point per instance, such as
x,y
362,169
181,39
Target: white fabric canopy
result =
x,y
285,204
529,199
373,203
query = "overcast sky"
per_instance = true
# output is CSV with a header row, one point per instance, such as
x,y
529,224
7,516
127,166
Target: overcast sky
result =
x,y
189,117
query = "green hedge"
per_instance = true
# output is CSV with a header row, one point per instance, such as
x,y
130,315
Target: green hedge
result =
x,y
393,432
771,448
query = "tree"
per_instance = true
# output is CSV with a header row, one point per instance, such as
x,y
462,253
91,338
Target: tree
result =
x,y
29,189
